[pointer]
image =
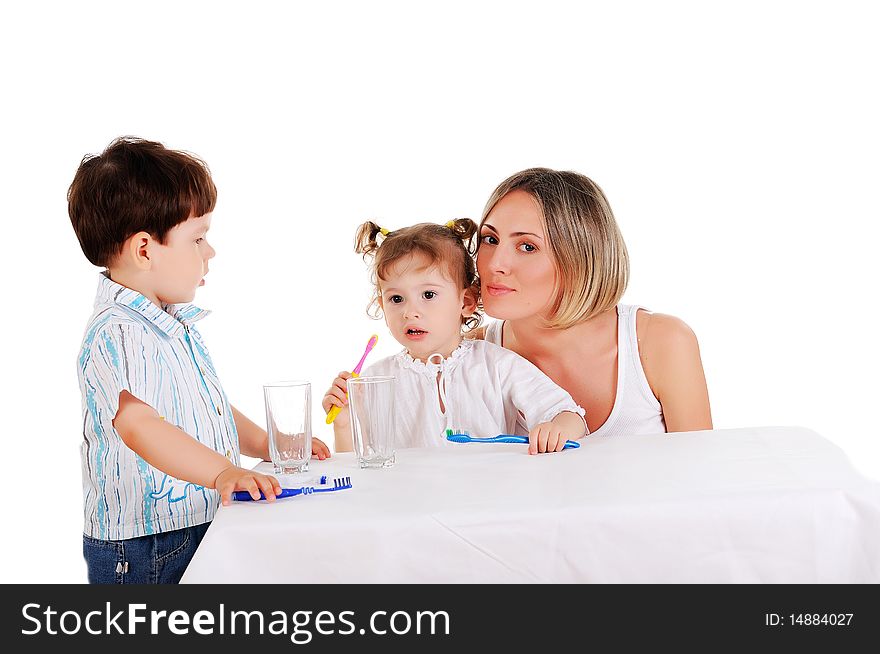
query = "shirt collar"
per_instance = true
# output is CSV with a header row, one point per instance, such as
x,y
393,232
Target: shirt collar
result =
x,y
431,367
170,318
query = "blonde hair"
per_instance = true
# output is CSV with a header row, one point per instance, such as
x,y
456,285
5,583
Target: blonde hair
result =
x,y
451,246
585,242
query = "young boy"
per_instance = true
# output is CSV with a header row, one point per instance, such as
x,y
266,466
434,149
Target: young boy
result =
x,y
161,440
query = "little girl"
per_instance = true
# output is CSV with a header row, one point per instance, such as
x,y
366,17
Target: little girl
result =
x,y
427,288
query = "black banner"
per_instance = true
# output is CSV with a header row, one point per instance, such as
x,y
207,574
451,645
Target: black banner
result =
x,y
437,617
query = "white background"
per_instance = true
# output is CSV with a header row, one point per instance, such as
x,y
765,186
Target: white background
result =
x,y
738,146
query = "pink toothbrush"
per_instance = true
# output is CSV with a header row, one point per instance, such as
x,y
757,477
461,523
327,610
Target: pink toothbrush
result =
x,y
334,411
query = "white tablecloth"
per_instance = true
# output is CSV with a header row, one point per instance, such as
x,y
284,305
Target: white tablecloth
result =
x,y
772,504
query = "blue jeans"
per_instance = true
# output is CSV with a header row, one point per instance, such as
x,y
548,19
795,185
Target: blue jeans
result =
x,y
155,559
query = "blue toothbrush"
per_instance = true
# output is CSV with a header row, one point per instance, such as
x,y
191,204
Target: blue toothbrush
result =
x,y
501,438
340,483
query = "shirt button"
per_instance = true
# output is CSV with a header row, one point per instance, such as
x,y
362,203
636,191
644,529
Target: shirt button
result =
x,y
219,411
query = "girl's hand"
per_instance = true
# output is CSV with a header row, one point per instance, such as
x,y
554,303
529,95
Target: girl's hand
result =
x,y
546,437
336,396
551,436
234,478
320,449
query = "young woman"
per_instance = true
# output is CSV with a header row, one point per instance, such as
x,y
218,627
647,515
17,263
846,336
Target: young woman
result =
x,y
553,267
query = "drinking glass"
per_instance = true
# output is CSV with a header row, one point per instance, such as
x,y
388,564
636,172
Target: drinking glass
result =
x,y
289,423
371,400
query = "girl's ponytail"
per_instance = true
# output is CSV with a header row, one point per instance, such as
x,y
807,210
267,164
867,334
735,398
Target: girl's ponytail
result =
x,y
465,229
365,241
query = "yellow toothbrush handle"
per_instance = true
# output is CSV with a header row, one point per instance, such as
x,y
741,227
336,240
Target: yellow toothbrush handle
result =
x,y
331,415
334,410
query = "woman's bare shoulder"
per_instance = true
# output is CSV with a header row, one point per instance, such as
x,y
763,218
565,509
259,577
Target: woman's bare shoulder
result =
x,y
671,360
668,348
661,331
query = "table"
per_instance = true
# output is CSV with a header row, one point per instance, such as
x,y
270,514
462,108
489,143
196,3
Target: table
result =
x,y
765,505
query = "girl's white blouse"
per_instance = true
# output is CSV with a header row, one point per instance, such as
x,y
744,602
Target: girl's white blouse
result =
x,y
485,388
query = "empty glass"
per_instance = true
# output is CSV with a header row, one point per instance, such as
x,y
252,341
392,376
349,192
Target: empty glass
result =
x,y
289,423
371,400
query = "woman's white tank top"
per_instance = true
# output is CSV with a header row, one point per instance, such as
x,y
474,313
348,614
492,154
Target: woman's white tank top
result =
x,y
636,410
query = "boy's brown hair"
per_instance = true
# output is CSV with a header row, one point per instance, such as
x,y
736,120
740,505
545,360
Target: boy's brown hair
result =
x,y
134,186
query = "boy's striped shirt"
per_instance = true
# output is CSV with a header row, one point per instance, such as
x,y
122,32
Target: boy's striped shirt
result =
x,y
158,356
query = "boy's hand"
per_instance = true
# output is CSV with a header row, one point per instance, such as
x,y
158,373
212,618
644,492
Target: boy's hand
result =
x,y
320,449
546,437
234,478
336,396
